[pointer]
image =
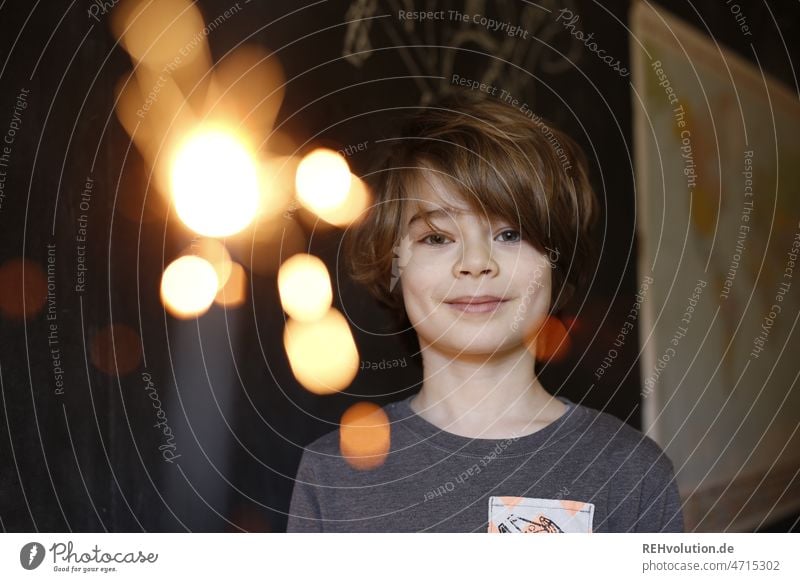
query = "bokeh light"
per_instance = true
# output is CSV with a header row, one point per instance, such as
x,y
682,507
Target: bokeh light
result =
x,y
168,41
365,436
323,180
234,292
23,289
214,183
551,341
216,254
247,86
115,349
156,123
157,34
351,209
322,353
305,287
188,287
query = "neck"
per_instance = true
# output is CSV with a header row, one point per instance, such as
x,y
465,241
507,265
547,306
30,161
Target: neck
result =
x,y
484,397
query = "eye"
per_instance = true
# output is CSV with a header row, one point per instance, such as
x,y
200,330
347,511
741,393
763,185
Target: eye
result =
x,y
436,239
516,236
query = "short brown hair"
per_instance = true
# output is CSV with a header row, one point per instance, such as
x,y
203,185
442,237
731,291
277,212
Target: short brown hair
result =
x,y
505,163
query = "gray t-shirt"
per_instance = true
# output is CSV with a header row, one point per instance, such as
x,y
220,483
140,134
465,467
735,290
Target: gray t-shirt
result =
x,y
585,472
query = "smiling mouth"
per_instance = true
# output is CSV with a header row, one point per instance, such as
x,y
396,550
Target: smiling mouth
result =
x,y
483,306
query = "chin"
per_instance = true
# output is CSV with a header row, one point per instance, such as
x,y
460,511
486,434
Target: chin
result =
x,y
457,342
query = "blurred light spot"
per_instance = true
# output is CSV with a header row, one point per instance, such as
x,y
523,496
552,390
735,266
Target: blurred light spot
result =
x,y
23,289
551,340
157,123
364,436
352,207
322,353
323,180
188,287
250,519
234,292
305,287
117,338
216,254
572,322
248,86
214,184
162,33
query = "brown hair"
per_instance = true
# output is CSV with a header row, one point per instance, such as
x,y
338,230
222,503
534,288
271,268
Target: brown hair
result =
x,y
505,163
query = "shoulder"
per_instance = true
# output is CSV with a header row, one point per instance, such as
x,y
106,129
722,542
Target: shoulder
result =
x,y
325,446
623,444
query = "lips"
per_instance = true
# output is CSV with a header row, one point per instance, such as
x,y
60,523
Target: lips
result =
x,y
476,304
475,299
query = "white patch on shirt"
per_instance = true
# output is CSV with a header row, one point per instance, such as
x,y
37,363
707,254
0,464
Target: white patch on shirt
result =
x,y
532,515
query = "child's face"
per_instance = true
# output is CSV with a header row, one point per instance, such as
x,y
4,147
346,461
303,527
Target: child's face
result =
x,y
468,255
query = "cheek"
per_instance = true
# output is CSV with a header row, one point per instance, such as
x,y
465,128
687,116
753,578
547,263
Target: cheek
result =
x,y
419,275
536,285
415,285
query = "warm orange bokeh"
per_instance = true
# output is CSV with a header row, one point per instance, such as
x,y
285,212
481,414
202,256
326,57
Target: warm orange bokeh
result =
x,y
234,292
188,286
23,289
115,349
551,340
364,436
322,353
305,287
215,253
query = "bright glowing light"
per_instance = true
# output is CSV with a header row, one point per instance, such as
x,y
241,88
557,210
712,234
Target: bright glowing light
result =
x,y
364,436
305,287
214,184
188,286
322,353
158,130
323,180
352,207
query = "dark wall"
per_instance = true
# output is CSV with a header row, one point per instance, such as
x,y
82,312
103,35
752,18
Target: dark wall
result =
x,y
84,456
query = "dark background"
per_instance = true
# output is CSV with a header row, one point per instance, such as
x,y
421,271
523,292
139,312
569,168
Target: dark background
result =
x,y
88,460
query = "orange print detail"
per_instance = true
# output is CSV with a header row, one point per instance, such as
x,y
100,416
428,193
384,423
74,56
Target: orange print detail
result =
x,y
511,502
572,506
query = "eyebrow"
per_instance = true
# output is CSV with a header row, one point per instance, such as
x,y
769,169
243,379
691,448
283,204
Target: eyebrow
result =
x,y
436,213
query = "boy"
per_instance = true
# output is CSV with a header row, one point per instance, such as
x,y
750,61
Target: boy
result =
x,y
488,212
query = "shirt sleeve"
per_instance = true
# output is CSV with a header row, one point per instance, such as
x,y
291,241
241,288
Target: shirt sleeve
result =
x,y
660,503
304,510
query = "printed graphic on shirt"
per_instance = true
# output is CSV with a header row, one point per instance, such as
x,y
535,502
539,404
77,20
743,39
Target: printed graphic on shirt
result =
x,y
531,515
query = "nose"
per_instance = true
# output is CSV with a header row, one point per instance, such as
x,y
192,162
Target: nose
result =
x,y
476,258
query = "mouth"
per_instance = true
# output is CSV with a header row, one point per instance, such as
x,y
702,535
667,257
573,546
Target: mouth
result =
x,y
480,304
